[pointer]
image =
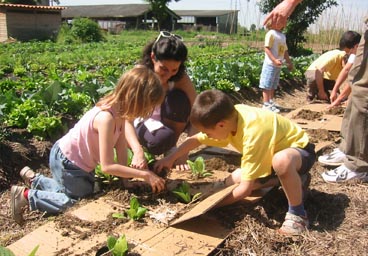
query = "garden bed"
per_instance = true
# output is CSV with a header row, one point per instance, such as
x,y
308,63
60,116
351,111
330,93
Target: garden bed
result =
x,y
337,213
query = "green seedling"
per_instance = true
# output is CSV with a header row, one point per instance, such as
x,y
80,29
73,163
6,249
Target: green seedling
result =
x,y
198,168
6,252
118,247
183,193
135,212
105,177
149,157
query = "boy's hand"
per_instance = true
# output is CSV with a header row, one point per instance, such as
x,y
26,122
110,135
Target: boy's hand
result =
x,y
278,62
322,95
333,96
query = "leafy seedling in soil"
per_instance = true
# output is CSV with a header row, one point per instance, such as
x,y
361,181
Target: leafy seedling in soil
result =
x,y
105,177
108,178
198,168
118,247
115,246
6,252
135,212
183,193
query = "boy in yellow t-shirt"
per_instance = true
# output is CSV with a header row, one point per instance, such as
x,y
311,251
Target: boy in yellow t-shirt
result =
x,y
321,75
271,145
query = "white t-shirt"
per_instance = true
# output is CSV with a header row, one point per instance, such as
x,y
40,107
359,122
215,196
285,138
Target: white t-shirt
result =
x,y
351,58
276,42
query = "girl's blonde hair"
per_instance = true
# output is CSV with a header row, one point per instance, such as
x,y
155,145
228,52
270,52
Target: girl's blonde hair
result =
x,y
136,94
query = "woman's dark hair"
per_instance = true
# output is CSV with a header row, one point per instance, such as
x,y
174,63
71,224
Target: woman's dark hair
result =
x,y
166,48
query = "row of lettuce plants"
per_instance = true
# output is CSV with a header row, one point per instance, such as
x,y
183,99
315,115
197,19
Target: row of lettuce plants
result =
x,y
45,86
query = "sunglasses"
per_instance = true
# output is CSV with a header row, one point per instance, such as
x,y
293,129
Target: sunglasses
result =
x,y
167,34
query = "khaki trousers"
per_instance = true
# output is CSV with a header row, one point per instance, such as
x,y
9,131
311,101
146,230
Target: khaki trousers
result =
x,y
354,129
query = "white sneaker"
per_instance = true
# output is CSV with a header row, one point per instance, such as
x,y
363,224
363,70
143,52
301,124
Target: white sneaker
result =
x,y
274,104
270,107
343,174
335,158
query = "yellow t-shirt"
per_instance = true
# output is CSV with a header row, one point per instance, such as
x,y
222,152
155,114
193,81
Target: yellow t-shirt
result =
x,y
260,134
332,63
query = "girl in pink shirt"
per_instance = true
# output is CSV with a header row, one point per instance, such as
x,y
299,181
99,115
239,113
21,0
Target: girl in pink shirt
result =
x,y
90,142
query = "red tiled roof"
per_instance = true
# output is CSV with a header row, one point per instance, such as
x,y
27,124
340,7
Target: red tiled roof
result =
x,y
44,7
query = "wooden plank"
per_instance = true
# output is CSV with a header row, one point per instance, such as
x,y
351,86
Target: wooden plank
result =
x,y
327,121
192,234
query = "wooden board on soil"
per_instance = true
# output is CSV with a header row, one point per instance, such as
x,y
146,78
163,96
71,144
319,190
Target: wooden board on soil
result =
x,y
193,233
315,116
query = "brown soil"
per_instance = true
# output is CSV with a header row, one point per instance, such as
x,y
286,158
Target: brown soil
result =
x,y
338,214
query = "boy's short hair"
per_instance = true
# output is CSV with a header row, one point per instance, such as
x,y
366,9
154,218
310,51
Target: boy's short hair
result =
x,y
349,39
211,107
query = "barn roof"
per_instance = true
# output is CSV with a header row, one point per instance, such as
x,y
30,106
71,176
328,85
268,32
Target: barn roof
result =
x,y
32,7
204,13
112,10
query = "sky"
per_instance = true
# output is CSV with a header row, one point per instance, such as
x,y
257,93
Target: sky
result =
x,y
349,14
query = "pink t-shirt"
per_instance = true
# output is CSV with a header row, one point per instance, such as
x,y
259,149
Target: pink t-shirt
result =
x,y
81,145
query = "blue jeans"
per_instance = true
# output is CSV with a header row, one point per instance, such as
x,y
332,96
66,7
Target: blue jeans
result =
x,y
68,184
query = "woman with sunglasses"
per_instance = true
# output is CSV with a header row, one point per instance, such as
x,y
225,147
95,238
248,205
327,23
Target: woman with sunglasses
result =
x,y
160,132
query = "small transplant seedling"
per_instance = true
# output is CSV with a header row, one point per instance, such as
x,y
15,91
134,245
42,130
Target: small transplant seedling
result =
x,y
135,212
6,252
183,193
108,178
118,247
198,168
105,177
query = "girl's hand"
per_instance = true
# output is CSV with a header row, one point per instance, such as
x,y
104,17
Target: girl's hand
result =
x,y
139,161
157,183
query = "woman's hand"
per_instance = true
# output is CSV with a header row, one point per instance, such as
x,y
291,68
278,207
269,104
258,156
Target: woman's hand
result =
x,y
164,163
181,163
277,18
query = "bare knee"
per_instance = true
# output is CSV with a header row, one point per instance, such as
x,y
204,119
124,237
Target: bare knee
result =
x,y
285,161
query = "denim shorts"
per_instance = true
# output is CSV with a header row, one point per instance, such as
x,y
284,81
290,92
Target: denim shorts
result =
x,y
270,77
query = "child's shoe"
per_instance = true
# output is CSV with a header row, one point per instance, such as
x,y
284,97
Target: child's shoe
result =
x,y
335,158
274,104
18,201
27,175
343,174
270,107
294,225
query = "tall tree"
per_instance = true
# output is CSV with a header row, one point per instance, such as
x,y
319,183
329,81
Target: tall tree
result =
x,y
305,14
159,10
